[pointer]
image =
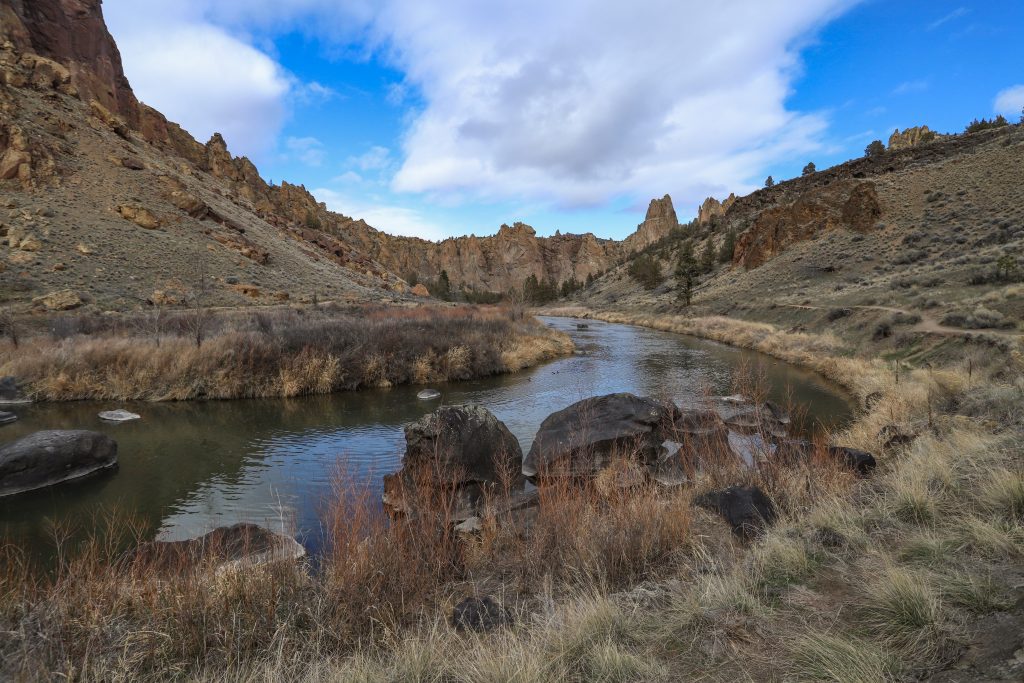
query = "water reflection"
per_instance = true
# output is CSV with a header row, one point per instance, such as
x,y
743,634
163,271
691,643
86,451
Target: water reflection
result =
x,y
188,467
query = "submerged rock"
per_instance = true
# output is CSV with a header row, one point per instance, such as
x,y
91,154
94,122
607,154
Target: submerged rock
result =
x,y
428,394
118,416
479,614
7,418
51,457
746,508
582,439
238,546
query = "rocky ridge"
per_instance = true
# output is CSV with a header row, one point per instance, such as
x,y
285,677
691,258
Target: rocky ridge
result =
x,y
74,134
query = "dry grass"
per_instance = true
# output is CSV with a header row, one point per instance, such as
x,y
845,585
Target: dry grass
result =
x,y
870,580
286,352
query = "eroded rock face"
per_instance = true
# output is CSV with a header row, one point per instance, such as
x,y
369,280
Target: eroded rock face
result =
x,y
712,209
660,220
583,439
51,457
229,547
73,36
849,205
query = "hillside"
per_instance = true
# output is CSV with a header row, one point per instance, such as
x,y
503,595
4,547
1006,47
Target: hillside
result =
x,y
923,239
107,202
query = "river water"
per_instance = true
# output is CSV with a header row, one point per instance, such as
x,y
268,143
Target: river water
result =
x,y
188,467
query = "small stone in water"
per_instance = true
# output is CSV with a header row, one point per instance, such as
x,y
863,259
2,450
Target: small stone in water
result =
x,y
7,418
118,416
428,394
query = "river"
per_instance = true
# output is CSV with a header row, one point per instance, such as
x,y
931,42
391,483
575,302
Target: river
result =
x,y
188,467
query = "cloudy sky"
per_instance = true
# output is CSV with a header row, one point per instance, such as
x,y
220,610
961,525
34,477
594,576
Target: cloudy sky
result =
x,y
449,117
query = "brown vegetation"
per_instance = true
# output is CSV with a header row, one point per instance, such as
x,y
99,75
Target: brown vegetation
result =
x,y
272,352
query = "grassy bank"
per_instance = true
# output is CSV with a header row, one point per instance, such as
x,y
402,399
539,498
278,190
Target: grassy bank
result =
x,y
889,578
270,353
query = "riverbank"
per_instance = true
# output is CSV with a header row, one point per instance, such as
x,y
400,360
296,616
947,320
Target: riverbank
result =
x,y
861,580
278,352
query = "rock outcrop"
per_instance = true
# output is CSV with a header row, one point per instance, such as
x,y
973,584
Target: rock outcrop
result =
x,y
72,37
51,457
660,220
911,137
712,209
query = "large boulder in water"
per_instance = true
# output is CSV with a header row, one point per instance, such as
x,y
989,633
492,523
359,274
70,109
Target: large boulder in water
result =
x,y
228,547
51,457
746,508
582,439
461,444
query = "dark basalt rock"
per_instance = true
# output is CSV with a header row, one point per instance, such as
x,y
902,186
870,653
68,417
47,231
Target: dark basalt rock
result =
x,y
10,392
860,462
454,456
51,457
479,614
746,508
582,439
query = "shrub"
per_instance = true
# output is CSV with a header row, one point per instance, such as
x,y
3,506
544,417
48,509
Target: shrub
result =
x,y
978,319
645,270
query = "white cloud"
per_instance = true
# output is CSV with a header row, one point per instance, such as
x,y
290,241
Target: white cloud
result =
x,y
910,86
308,150
377,158
1010,102
569,103
575,104
955,14
396,220
203,77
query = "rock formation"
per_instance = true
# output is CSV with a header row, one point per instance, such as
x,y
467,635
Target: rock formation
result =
x,y
712,209
911,137
661,219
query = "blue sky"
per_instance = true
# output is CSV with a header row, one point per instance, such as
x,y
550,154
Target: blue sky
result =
x,y
450,118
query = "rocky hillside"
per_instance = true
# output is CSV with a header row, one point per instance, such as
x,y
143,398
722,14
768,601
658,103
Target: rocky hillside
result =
x,y
105,201
926,238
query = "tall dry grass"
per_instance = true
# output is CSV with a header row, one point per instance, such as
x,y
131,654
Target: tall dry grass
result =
x,y
274,353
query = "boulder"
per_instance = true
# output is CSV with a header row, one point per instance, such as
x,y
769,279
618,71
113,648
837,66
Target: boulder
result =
x,y
63,300
860,462
582,439
420,290
238,546
51,457
428,394
10,393
461,444
746,508
767,419
479,614
7,418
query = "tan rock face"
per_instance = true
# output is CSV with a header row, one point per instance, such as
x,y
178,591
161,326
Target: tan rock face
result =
x,y
141,216
63,300
712,209
911,137
661,219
